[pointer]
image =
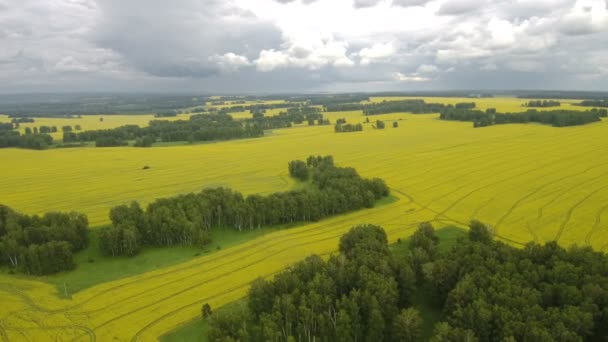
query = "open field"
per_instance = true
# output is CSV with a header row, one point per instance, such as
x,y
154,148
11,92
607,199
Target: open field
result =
x,y
530,182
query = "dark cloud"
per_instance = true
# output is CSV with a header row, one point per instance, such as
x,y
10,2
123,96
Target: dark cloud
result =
x,y
176,39
216,46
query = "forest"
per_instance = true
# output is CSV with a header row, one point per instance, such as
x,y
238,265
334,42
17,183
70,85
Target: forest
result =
x,y
485,289
555,118
41,245
189,219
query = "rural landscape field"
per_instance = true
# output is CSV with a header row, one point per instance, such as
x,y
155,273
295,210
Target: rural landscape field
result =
x,y
529,182
304,171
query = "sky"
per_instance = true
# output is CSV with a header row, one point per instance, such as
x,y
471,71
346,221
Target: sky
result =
x,y
281,46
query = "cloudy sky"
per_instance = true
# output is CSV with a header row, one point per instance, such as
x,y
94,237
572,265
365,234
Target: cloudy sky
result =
x,y
226,46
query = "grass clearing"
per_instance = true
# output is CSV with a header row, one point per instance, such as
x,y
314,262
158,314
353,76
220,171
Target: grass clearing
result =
x,y
94,268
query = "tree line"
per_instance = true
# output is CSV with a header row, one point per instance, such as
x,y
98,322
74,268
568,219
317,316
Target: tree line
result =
x,y
189,219
594,103
34,141
542,103
200,127
294,115
346,127
405,106
41,245
486,290
556,118
253,107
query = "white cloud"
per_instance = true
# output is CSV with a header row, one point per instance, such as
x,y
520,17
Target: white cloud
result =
x,y
230,61
397,76
376,53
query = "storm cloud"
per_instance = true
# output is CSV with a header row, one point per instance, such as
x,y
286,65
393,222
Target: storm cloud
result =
x,y
302,45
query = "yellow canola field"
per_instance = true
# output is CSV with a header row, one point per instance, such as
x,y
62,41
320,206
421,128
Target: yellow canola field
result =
x,y
530,182
91,122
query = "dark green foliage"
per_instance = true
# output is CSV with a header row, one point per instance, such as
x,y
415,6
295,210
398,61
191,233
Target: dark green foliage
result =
x,y
380,124
479,232
110,142
188,219
200,127
395,124
22,120
556,118
493,292
295,115
206,310
298,169
34,141
594,103
403,106
146,141
345,128
66,128
5,127
465,105
69,137
354,296
542,103
41,245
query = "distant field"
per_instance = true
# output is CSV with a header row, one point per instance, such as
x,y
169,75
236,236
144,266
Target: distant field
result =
x,y
91,122
530,182
502,104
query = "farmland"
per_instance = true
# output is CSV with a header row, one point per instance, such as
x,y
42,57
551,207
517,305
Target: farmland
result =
x,y
529,182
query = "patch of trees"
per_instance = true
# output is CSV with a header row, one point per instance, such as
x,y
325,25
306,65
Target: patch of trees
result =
x,y
486,290
556,118
33,141
361,294
379,124
345,128
200,127
403,106
594,103
295,115
48,129
254,107
41,244
493,292
542,103
22,120
189,219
